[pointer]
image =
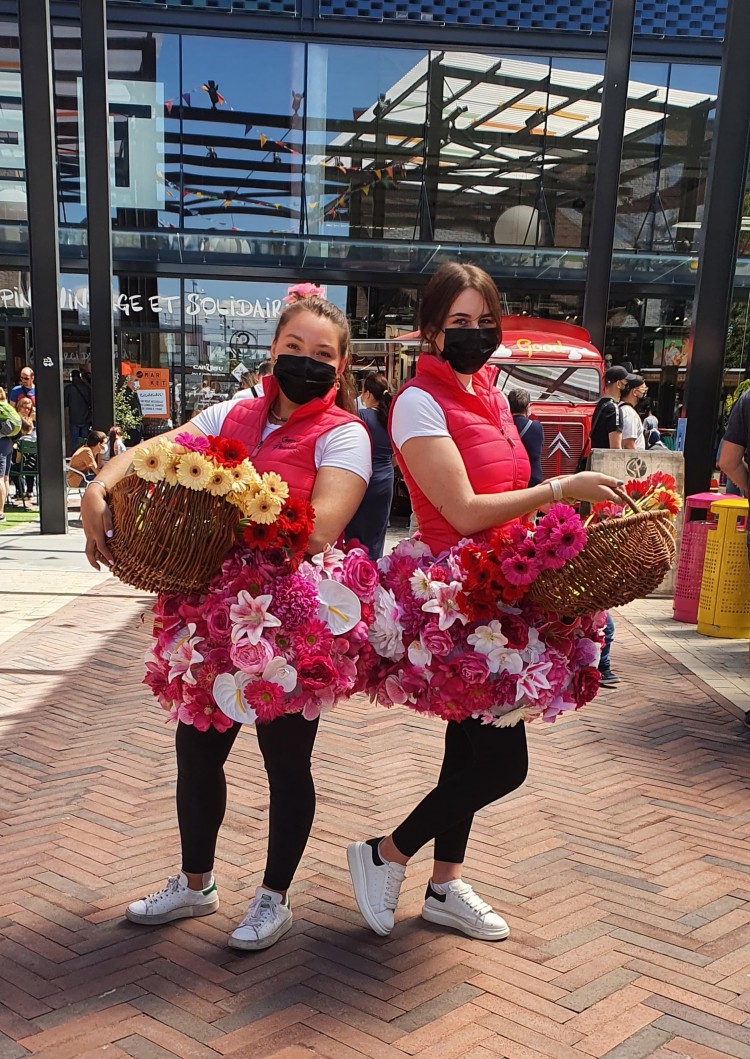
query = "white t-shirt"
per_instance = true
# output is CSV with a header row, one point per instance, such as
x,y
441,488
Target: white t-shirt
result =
x,y
416,414
346,447
632,427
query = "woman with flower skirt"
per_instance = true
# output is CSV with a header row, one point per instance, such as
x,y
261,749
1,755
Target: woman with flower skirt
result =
x,y
302,427
467,472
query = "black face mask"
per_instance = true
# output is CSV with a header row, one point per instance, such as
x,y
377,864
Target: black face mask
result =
x,y
302,379
467,349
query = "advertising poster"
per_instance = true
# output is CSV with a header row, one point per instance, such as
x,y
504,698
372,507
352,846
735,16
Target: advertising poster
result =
x,y
153,389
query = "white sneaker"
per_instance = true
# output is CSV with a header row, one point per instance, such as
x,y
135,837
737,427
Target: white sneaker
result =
x,y
268,918
376,884
461,908
175,901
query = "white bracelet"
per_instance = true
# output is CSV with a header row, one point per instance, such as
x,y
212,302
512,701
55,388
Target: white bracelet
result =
x,y
557,490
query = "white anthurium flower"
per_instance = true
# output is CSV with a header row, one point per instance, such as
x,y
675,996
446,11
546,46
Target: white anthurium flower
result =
x,y
228,692
418,654
339,607
278,671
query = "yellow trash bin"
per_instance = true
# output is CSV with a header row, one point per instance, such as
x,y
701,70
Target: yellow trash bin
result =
x,y
724,606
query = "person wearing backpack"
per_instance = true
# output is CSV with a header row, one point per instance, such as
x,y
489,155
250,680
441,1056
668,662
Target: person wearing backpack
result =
x,y
530,431
10,427
77,399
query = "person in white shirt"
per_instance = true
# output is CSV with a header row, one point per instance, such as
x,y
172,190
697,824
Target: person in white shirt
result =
x,y
309,352
633,436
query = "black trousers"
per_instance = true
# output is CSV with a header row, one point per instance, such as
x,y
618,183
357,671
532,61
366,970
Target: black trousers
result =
x,y
286,745
480,765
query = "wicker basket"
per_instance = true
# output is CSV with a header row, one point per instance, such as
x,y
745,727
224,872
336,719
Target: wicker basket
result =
x,y
624,559
167,538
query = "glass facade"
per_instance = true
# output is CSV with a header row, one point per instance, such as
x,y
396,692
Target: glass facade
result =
x,y
241,164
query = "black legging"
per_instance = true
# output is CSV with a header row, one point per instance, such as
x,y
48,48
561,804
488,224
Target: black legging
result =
x,y
480,765
286,745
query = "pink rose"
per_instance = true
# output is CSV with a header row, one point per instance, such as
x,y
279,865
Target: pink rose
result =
x,y
473,668
251,657
504,688
360,574
218,623
437,640
316,673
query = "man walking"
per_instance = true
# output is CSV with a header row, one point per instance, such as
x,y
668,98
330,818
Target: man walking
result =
x,y
77,399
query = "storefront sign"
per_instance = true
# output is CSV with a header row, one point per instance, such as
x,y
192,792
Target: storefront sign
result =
x,y
133,304
153,390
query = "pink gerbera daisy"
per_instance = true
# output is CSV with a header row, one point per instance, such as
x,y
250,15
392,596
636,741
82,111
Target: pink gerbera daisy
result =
x,y
266,698
569,539
519,570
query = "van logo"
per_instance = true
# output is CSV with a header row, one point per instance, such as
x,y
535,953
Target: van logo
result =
x,y
561,445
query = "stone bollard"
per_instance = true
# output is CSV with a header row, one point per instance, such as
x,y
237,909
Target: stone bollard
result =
x,y
632,463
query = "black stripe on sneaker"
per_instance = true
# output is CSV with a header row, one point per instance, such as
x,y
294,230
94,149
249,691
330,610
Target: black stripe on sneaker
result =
x,y
434,894
373,843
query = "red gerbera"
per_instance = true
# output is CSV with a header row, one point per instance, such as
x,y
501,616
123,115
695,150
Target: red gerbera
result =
x,y
260,535
227,451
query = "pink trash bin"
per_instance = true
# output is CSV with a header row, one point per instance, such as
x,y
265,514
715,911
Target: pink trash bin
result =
x,y
697,520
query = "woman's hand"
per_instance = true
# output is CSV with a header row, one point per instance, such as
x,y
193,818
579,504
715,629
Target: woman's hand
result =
x,y
97,525
591,486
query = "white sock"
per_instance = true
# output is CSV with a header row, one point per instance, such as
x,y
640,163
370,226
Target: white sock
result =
x,y
442,887
208,878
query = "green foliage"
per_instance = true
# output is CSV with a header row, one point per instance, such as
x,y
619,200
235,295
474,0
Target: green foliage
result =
x,y
125,417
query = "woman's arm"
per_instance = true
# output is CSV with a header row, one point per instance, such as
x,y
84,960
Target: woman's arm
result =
x,y
336,496
732,463
95,513
439,471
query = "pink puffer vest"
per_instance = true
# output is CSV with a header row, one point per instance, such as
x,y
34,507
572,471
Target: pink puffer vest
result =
x,y
289,450
482,427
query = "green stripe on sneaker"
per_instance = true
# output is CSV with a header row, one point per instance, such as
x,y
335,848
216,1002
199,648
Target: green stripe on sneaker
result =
x,y
210,890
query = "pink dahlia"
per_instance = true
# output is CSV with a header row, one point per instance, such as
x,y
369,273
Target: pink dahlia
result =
x,y
295,601
266,698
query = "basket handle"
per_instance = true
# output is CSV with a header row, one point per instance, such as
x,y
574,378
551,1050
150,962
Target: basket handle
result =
x,y
627,500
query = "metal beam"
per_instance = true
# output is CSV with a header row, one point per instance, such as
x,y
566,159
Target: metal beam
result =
x,y
608,162
725,190
41,189
98,209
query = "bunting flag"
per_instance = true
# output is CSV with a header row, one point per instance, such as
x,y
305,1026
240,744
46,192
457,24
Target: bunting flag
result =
x,y
263,140
248,128
366,190
186,97
168,106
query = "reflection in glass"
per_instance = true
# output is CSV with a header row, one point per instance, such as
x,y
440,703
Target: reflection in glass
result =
x,y
669,123
12,155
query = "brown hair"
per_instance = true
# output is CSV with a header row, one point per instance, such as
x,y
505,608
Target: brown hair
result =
x,y
325,310
377,385
450,280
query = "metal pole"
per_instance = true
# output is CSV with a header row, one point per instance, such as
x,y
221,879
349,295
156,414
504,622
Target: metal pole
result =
x,y
608,161
98,210
35,36
725,190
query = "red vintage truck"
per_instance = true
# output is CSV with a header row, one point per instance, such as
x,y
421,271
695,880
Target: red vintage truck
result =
x,y
563,373
554,361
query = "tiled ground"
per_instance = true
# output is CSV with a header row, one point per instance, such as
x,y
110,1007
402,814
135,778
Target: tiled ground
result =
x,y
622,866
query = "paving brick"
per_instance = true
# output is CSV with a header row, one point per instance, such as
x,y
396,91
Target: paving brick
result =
x,y
621,866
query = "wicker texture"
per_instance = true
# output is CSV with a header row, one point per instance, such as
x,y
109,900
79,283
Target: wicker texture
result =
x,y
167,538
624,559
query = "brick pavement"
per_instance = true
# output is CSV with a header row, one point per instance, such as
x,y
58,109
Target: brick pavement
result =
x,y
622,866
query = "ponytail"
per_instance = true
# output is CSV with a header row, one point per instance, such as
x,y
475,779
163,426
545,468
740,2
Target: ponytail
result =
x,y
377,386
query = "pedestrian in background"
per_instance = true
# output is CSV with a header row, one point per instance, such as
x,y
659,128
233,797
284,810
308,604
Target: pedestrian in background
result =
x,y
115,444
25,387
530,431
370,524
10,427
77,399
633,436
